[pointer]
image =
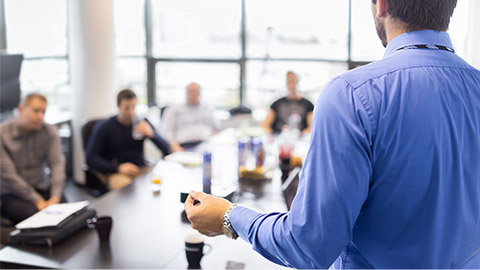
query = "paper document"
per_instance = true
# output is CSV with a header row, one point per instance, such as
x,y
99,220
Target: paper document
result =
x,y
52,215
186,158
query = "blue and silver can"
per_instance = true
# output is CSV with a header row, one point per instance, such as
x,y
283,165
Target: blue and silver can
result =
x,y
242,152
207,172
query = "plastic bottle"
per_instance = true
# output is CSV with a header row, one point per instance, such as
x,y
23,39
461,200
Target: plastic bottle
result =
x,y
285,152
260,154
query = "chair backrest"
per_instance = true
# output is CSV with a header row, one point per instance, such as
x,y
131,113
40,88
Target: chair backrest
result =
x,y
240,110
87,129
94,186
162,110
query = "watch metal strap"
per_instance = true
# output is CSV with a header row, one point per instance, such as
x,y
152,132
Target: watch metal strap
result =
x,y
226,221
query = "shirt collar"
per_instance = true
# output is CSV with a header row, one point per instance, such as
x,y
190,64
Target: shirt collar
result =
x,y
418,38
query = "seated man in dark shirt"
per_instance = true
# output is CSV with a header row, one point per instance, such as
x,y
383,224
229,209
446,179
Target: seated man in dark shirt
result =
x,y
115,147
292,110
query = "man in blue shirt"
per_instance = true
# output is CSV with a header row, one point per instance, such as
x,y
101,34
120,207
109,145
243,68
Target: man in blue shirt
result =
x,y
392,176
115,148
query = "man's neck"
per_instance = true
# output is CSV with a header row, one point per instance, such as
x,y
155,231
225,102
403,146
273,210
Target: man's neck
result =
x,y
293,95
393,29
24,130
123,121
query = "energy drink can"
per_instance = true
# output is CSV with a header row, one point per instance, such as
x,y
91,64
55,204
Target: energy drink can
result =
x,y
207,172
242,152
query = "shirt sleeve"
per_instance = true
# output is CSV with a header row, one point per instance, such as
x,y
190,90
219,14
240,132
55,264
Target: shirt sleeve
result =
x,y
160,142
211,119
56,162
275,105
333,187
309,105
11,180
95,148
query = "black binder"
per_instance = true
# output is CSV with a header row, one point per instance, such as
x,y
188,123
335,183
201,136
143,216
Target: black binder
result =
x,y
52,235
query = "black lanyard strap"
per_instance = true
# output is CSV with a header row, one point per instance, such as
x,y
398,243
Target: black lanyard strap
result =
x,y
427,46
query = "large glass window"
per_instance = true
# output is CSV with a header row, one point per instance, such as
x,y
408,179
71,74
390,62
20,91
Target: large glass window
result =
x,y
366,46
132,73
196,29
297,29
38,30
129,27
219,83
241,49
130,44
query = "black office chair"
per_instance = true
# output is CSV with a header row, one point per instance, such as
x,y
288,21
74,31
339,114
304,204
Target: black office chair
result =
x,y
239,110
162,110
95,186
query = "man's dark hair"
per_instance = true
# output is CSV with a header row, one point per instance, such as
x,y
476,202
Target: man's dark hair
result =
x,y
422,14
125,94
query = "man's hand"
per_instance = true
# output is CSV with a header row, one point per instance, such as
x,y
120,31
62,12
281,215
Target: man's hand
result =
x,y
207,215
174,147
53,200
144,128
129,169
41,204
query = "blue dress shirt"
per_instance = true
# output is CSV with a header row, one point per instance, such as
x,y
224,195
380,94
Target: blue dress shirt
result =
x,y
392,176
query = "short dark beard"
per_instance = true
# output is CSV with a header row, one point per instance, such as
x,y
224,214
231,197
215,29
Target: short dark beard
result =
x,y
381,32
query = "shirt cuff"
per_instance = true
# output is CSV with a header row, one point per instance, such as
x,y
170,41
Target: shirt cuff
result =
x,y
241,219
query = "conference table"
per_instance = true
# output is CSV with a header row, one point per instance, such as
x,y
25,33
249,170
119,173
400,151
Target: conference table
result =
x,y
149,227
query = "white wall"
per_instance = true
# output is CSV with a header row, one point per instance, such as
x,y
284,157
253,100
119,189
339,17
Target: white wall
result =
x,y
92,68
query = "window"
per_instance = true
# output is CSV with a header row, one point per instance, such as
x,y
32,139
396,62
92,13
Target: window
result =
x,y
240,50
297,29
218,81
130,44
129,28
42,39
196,29
366,46
132,74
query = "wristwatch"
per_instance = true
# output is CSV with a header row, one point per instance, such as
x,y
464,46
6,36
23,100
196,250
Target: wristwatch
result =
x,y
227,228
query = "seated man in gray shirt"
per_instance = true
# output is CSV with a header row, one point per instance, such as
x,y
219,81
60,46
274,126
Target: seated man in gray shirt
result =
x,y
188,124
28,147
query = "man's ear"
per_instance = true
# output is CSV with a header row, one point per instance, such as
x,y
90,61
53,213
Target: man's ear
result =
x,y
381,8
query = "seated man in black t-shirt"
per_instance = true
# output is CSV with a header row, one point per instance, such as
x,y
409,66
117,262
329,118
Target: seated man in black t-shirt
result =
x,y
291,110
115,148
